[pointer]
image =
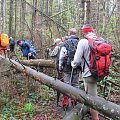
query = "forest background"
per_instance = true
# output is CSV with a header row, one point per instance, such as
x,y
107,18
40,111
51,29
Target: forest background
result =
x,y
41,21
44,20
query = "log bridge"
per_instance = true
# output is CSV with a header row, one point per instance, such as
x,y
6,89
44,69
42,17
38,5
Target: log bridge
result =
x,y
104,107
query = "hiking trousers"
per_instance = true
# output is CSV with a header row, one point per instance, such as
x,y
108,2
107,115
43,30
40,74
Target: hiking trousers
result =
x,y
72,80
90,85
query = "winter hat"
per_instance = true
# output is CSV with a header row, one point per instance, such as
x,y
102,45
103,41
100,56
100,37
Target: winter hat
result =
x,y
87,28
18,41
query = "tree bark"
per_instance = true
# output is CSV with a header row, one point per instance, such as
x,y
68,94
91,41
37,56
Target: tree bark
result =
x,y
33,20
39,62
88,11
101,105
3,16
23,11
46,16
11,18
47,11
77,113
15,27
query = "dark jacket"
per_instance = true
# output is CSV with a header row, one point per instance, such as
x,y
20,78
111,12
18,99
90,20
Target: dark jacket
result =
x,y
71,46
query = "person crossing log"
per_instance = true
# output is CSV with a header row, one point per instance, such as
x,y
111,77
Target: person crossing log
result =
x,y
101,105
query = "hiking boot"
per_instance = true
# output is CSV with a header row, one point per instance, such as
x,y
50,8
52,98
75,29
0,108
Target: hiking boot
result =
x,y
73,102
65,102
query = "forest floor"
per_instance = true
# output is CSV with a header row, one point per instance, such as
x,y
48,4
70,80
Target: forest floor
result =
x,y
16,91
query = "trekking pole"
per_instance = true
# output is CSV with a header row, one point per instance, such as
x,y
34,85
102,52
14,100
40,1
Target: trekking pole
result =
x,y
28,57
71,82
58,92
104,91
71,76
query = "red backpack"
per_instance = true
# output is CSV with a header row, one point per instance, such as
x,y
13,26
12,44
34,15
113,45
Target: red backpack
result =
x,y
100,57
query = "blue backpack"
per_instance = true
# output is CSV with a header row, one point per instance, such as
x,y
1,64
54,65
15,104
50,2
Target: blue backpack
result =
x,y
30,43
27,47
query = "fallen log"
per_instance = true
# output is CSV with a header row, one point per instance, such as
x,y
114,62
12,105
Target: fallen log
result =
x,y
76,113
101,105
39,63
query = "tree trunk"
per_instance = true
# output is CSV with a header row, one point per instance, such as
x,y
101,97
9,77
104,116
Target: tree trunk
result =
x,y
88,11
86,8
11,18
104,23
47,11
77,113
3,16
33,20
101,105
15,19
97,16
46,16
39,62
23,11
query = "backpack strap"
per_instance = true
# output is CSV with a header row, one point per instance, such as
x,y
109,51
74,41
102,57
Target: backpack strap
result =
x,y
85,61
28,45
91,43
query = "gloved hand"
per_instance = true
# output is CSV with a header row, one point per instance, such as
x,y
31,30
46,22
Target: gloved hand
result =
x,y
73,64
47,49
29,54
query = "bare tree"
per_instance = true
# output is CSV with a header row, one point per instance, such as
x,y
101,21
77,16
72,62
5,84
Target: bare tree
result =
x,y
3,15
15,28
86,5
33,19
23,11
11,17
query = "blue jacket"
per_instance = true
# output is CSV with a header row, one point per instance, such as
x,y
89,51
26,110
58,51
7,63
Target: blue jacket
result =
x,y
27,48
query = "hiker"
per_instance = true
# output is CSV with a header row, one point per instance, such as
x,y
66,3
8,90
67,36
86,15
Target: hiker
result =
x,y
56,50
94,53
27,49
58,43
4,42
66,56
11,44
83,49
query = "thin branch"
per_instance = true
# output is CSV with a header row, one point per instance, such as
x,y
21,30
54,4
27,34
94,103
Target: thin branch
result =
x,y
56,14
44,15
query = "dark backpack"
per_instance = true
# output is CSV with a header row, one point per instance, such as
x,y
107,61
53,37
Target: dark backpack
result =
x,y
100,57
11,44
57,56
29,43
71,46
